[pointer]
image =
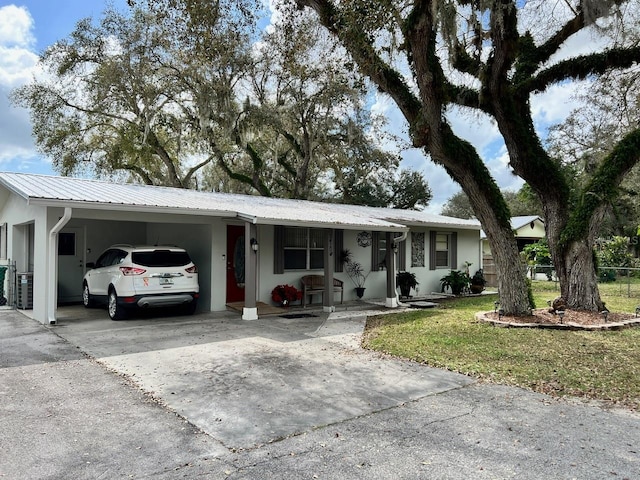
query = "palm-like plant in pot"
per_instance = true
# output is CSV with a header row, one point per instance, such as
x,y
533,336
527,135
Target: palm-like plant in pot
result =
x,y
355,270
456,281
406,281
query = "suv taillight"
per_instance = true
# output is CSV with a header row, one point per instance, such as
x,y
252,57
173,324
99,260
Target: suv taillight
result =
x,y
128,271
193,269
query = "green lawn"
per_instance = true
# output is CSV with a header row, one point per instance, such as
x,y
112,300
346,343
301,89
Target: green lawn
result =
x,y
597,365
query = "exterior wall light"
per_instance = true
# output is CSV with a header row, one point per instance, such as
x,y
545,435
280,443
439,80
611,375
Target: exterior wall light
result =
x,y
254,244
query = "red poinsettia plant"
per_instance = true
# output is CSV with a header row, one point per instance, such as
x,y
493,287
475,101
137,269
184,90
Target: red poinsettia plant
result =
x,y
285,294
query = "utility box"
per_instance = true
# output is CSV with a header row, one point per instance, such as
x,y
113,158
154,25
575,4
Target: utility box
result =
x,y
25,290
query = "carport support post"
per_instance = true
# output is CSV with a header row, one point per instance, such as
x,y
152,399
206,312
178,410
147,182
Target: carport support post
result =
x,y
327,296
392,296
250,310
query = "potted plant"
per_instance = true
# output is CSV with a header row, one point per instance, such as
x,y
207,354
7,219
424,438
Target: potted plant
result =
x,y
406,281
355,270
456,281
285,294
478,282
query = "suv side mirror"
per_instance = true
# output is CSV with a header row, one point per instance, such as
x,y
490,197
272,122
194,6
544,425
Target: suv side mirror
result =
x,y
91,265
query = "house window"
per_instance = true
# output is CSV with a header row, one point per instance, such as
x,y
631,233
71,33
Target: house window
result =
x,y
303,248
378,251
66,243
443,250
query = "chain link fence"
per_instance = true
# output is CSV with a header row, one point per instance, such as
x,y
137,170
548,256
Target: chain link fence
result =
x,y
621,281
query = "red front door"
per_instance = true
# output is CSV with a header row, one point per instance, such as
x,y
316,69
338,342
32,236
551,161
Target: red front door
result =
x,y
235,263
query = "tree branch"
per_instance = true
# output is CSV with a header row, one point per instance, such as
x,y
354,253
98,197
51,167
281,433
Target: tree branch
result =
x,y
603,186
194,169
371,64
138,171
551,46
581,67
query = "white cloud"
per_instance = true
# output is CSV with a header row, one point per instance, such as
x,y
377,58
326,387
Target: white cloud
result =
x,y
18,64
17,59
16,26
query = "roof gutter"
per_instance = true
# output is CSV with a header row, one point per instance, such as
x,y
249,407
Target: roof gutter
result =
x,y
52,300
247,218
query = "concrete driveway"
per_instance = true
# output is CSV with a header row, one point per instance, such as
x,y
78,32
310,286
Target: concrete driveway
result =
x,y
279,399
251,383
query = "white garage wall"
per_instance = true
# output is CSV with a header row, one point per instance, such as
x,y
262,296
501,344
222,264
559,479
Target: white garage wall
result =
x,y
197,240
101,234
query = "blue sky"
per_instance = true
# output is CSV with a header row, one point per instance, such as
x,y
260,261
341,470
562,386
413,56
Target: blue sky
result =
x,y
27,28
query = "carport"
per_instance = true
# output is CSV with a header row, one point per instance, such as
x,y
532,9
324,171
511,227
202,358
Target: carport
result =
x,y
53,226
89,232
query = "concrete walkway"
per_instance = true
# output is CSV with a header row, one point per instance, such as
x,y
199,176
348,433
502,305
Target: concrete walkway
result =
x,y
275,398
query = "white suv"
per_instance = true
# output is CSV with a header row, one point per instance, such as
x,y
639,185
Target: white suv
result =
x,y
125,277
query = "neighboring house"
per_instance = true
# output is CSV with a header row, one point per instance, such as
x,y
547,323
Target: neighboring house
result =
x,y
243,245
527,229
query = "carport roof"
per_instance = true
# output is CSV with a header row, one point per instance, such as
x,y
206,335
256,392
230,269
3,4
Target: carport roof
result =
x,y
48,190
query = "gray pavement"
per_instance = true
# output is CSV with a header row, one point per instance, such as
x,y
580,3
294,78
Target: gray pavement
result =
x,y
211,396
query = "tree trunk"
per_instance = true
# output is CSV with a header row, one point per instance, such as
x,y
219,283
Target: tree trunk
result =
x,y
579,287
573,259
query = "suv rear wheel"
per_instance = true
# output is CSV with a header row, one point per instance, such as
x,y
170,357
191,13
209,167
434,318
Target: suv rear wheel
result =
x,y
116,312
87,300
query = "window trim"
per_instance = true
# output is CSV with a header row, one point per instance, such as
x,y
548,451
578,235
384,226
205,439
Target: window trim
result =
x,y
452,252
308,249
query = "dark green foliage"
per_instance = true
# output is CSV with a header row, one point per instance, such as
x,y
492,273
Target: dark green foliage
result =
x,y
603,185
456,281
406,281
478,278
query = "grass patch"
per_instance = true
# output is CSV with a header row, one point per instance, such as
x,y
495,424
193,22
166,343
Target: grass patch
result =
x,y
601,365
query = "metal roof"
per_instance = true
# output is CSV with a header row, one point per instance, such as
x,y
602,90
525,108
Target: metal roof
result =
x,y
518,222
48,190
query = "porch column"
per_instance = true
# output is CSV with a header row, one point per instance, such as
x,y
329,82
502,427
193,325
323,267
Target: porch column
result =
x,y
251,249
327,296
392,295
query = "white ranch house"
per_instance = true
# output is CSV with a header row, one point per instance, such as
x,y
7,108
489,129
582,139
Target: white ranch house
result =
x,y
243,245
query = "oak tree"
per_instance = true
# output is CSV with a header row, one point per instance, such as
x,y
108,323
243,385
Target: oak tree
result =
x,y
492,56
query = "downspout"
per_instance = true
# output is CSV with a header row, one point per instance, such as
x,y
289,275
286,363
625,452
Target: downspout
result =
x,y
52,284
394,302
401,238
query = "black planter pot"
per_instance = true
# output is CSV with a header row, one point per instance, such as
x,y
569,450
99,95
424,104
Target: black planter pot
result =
x,y
359,291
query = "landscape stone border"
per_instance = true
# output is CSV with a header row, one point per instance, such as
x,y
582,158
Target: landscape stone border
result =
x,y
632,322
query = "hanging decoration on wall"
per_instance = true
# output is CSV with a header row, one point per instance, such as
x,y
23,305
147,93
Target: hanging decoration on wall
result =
x,y
364,239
